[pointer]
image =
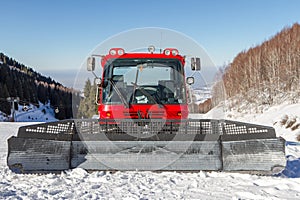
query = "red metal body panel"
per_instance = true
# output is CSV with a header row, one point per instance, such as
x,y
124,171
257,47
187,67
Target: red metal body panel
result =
x,y
179,111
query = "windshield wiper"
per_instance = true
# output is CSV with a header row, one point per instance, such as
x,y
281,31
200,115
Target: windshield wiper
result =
x,y
119,93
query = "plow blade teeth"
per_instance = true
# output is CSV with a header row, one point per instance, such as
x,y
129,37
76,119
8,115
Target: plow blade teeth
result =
x,y
189,145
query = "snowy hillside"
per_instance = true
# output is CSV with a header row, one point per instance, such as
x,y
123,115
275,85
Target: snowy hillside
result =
x,y
201,94
78,184
42,113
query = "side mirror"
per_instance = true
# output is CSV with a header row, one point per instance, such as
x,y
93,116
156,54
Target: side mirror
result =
x,y
195,64
91,64
190,80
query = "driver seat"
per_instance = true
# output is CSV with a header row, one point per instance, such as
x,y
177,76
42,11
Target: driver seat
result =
x,y
166,90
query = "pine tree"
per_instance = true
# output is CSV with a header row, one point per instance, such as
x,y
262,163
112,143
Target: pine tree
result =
x,y
87,107
5,106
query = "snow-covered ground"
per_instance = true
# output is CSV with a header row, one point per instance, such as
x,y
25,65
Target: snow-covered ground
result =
x,y
32,113
78,184
201,94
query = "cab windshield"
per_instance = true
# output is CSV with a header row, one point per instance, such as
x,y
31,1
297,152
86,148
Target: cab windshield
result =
x,y
144,81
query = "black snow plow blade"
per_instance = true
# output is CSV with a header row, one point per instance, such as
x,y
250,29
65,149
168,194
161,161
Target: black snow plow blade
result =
x,y
191,145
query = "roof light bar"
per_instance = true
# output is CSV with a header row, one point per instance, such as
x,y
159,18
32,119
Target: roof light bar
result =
x,y
167,52
116,51
171,51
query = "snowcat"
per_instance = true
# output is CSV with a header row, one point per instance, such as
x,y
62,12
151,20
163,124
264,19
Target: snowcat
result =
x,y
144,124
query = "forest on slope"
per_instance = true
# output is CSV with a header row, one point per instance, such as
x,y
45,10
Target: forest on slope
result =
x,y
18,80
268,73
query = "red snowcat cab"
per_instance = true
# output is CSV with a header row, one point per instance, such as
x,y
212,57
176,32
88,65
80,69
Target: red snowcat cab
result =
x,y
143,85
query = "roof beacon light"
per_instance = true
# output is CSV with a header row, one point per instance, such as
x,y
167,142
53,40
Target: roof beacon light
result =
x,y
167,52
171,51
174,52
112,52
120,52
151,48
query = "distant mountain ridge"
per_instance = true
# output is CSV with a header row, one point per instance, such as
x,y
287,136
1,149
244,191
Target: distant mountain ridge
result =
x,y
18,80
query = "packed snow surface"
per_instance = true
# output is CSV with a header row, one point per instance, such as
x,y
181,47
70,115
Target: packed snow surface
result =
x,y
78,184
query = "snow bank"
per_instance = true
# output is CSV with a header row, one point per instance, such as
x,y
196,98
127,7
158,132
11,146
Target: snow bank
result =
x,y
274,116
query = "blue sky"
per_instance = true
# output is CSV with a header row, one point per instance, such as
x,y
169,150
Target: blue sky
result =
x,y
57,35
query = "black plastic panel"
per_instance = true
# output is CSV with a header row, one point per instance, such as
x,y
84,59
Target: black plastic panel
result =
x,y
146,130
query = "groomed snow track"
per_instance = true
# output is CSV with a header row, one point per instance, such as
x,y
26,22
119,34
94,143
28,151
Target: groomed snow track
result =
x,y
144,144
